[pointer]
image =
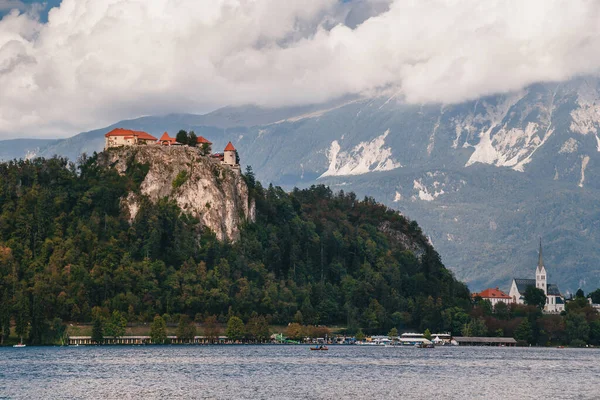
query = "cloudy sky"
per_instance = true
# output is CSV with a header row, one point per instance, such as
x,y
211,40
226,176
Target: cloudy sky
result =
x,y
75,65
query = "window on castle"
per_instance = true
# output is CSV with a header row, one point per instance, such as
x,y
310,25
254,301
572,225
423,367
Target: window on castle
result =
x,y
543,277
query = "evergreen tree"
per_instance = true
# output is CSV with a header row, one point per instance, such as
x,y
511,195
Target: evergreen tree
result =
x,y
97,331
158,330
186,330
524,331
235,329
182,137
535,297
192,139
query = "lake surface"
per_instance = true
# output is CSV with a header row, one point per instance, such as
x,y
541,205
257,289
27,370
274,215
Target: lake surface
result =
x,y
294,372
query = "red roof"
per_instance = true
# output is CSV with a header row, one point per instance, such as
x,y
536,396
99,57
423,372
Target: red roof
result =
x,y
202,140
492,294
130,133
229,147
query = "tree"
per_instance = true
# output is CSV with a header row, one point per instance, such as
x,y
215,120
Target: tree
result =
x,y
235,329
257,327
360,336
97,331
182,137
502,311
595,296
158,330
479,328
577,328
579,294
294,331
116,325
393,333
523,332
192,139
535,297
211,328
186,330
427,334
22,316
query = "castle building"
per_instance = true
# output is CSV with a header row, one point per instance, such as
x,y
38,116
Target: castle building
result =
x,y
555,302
494,296
166,140
125,137
229,157
204,142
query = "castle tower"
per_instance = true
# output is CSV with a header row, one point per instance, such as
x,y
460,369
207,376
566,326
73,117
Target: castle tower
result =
x,y
540,273
229,157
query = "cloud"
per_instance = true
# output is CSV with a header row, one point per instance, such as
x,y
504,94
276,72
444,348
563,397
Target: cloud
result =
x,y
6,5
95,62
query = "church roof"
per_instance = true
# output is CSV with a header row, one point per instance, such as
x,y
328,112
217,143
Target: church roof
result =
x,y
492,294
130,133
522,284
229,147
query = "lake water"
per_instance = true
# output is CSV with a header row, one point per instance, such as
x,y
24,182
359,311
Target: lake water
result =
x,y
295,372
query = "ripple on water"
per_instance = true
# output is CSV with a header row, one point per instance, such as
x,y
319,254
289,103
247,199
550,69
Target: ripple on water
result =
x,y
294,372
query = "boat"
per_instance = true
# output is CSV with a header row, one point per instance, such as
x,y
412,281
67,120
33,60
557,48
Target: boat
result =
x,y
320,348
425,345
19,345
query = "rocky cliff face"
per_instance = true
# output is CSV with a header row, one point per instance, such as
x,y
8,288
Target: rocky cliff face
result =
x,y
215,194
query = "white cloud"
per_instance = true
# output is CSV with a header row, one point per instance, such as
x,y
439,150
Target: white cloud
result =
x,y
6,5
95,62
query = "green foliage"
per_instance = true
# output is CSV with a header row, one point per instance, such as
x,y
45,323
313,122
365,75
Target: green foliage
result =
x,y
595,296
319,258
577,328
97,331
394,333
524,332
257,328
186,330
211,328
180,179
192,139
115,325
535,297
158,330
182,137
579,293
360,335
235,328
427,334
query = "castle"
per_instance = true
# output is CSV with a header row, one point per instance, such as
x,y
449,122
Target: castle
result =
x,y
125,137
555,302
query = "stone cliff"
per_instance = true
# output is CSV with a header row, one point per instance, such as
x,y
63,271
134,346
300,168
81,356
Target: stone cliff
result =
x,y
215,194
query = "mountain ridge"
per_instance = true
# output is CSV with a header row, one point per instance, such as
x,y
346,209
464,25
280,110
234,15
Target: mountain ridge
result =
x,y
483,177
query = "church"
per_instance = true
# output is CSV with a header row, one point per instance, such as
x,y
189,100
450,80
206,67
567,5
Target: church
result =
x,y
555,302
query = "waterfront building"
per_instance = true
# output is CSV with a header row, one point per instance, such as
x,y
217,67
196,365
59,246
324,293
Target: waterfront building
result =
x,y
555,302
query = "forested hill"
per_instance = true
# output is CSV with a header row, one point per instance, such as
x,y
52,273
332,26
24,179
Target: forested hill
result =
x,y
67,247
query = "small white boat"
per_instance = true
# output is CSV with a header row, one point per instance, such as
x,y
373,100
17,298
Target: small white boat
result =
x,y
19,345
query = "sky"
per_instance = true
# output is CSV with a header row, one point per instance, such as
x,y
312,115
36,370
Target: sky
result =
x,y
75,65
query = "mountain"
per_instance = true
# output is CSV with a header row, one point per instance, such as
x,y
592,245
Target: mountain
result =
x,y
485,179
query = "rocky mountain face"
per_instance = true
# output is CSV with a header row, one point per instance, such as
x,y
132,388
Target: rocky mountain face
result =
x,y
485,179
215,194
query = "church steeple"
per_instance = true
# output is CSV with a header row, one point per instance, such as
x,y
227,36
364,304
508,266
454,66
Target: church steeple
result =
x,y
540,259
541,281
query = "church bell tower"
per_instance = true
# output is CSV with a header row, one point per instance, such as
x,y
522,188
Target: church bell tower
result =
x,y
540,273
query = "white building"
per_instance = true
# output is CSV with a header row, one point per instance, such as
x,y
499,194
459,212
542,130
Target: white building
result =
x,y
555,302
494,296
